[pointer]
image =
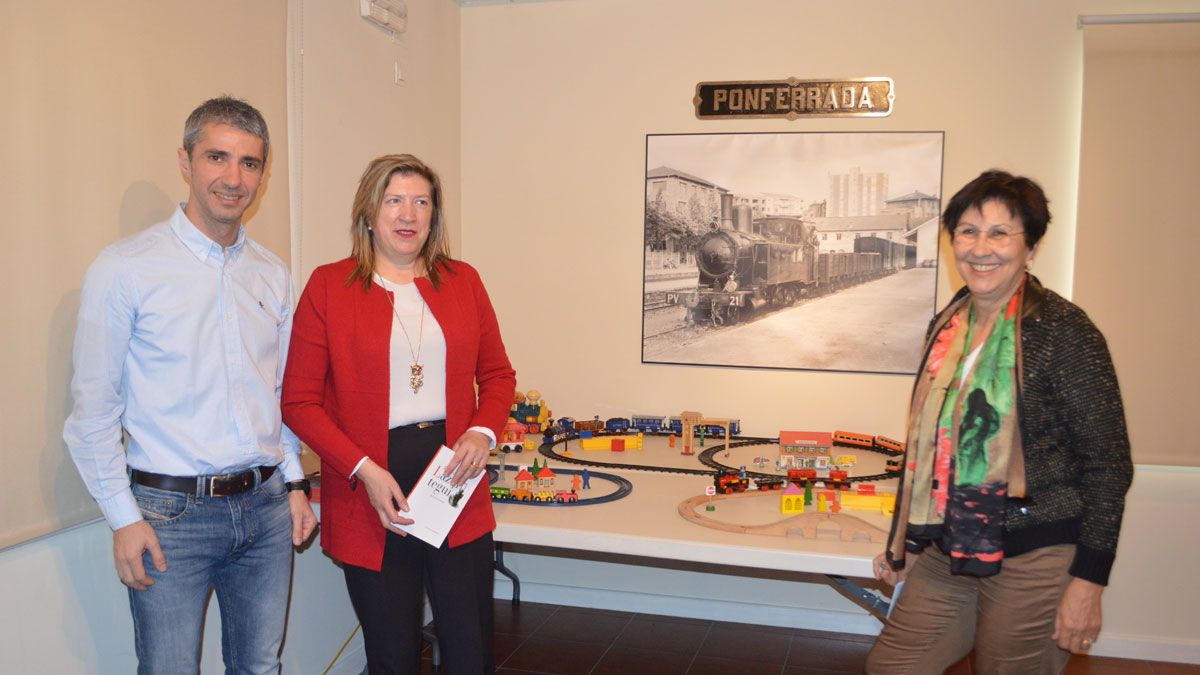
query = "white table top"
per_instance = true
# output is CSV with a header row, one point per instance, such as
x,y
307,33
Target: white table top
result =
x,y
647,523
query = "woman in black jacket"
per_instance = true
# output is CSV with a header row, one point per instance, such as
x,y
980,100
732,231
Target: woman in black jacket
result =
x,y
1017,463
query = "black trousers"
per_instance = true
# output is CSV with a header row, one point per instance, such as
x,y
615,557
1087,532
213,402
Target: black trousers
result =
x,y
458,580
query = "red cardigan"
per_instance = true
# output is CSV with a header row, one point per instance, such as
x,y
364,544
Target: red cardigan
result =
x,y
336,392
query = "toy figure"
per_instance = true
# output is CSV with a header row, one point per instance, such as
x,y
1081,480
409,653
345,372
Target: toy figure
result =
x,y
576,482
587,478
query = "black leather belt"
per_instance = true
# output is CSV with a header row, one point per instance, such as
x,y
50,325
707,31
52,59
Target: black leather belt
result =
x,y
419,425
224,485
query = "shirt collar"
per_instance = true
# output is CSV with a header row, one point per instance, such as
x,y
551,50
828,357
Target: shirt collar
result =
x,y
197,242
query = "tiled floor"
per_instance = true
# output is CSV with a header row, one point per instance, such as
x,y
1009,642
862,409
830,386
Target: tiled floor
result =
x,y
538,638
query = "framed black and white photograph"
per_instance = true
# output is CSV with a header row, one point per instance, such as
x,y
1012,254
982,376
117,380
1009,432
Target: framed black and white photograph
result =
x,y
809,251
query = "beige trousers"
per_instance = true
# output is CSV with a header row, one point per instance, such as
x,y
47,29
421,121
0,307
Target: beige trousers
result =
x,y
1008,618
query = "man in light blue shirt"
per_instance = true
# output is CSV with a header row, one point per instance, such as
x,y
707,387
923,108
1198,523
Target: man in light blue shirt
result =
x,y
181,344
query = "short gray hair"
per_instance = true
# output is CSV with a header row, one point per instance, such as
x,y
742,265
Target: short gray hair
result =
x,y
226,110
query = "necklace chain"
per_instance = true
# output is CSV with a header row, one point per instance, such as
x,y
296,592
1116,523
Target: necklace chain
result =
x,y
416,376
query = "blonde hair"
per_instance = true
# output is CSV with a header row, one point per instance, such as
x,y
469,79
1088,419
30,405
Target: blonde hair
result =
x,y
434,255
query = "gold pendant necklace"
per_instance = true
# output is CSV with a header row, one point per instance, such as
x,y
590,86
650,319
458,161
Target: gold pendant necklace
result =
x,y
416,376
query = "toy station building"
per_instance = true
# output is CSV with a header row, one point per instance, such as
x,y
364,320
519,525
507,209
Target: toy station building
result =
x,y
805,449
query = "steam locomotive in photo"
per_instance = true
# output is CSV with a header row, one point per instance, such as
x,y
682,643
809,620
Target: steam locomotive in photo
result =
x,y
772,261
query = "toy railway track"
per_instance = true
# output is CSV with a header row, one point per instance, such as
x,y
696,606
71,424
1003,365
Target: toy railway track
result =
x,y
706,458
547,449
624,489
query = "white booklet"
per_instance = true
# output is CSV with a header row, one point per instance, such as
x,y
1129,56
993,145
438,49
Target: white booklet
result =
x,y
434,505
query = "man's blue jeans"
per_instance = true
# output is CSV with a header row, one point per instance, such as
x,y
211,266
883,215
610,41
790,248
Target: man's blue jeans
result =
x,y
242,546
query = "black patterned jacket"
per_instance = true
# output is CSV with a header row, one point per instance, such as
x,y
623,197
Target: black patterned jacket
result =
x,y
1076,448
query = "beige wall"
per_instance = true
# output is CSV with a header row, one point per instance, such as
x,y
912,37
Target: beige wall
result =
x,y
95,97
563,94
1135,270
347,110
553,188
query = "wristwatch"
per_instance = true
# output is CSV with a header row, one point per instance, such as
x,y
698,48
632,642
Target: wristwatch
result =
x,y
302,485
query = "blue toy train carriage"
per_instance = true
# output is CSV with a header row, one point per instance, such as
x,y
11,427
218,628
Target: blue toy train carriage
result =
x,y
616,425
649,424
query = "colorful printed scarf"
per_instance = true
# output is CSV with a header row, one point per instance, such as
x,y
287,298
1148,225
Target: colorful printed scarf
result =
x,y
964,444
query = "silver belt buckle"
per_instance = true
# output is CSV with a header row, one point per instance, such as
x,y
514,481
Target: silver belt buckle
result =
x,y
231,484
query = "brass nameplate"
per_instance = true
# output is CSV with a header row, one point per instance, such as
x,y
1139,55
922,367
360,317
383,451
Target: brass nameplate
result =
x,y
792,98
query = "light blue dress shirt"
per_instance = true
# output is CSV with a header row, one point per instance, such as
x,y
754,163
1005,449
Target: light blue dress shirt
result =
x,y
182,344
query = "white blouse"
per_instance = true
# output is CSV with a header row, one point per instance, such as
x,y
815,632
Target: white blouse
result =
x,y
429,403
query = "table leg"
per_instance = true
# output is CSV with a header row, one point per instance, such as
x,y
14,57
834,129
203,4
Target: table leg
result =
x,y
498,563
870,601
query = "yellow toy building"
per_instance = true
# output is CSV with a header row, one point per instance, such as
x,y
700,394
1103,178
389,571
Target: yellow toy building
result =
x,y
882,503
791,500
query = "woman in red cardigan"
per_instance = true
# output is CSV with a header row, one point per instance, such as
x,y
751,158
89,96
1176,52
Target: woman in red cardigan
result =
x,y
395,351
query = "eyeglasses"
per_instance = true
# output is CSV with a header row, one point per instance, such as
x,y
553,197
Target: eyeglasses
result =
x,y
997,236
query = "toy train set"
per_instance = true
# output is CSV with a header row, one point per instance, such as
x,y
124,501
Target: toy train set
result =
x,y
806,459
774,261
648,424
833,479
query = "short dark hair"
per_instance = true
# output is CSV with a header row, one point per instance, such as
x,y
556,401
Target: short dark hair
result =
x,y
226,110
1023,198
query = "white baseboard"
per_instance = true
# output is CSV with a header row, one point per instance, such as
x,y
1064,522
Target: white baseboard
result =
x,y
1120,646
696,608
1147,648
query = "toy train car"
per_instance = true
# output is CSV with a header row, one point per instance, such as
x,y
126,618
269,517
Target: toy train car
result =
x,y
853,440
650,424
801,476
557,433
888,444
765,484
617,425
568,427
512,436
503,494
731,481
593,426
